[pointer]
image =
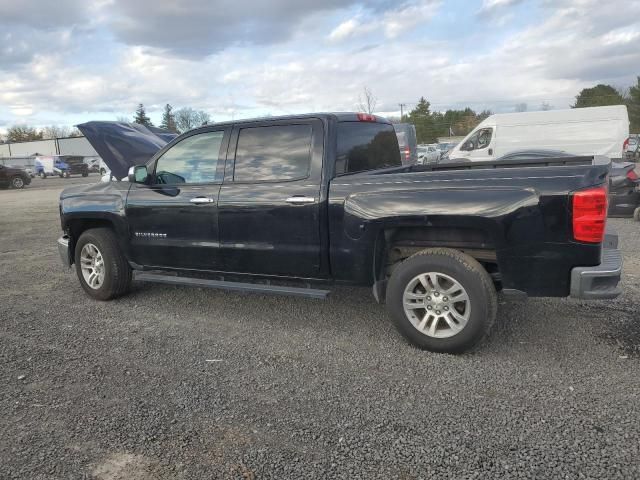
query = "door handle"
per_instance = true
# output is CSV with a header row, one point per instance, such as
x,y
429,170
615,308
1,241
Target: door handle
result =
x,y
300,200
198,200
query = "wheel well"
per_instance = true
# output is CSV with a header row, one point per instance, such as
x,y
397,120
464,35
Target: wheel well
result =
x,y
78,226
400,243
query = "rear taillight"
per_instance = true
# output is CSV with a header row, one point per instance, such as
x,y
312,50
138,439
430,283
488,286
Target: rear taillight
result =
x,y
366,117
625,145
589,214
632,175
407,154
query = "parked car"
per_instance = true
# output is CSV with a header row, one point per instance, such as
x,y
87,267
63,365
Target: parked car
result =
x,y
632,151
75,165
407,142
624,196
624,189
29,171
428,154
13,177
279,203
579,131
93,164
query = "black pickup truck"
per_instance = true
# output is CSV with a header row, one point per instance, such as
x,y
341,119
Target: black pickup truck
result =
x,y
287,205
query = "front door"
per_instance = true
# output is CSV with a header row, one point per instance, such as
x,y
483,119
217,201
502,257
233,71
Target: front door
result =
x,y
270,203
173,218
479,146
4,178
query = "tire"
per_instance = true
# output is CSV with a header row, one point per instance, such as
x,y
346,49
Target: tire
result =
x,y
636,214
116,271
457,330
17,182
85,174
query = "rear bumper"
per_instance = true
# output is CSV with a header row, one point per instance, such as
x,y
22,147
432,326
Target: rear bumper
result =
x,y
601,281
64,251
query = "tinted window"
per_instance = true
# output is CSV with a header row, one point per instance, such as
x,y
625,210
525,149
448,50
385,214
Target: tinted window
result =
x,y
366,146
192,160
273,153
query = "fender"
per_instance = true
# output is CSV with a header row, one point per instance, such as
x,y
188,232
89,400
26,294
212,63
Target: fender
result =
x,y
506,215
98,204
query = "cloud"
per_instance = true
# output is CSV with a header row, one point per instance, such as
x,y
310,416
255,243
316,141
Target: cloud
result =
x,y
345,30
47,15
492,7
202,27
392,22
320,61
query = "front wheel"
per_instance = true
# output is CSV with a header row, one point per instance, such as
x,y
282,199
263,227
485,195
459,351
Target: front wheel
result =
x,y
17,182
102,269
442,300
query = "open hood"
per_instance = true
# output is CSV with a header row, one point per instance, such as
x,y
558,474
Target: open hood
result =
x,y
122,145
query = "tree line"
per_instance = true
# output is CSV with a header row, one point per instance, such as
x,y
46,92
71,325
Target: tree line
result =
x,y
26,133
430,125
178,121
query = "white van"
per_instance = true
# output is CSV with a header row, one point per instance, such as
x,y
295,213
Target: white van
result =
x,y
579,131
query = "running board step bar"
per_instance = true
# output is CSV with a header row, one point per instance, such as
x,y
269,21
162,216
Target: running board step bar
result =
x,y
234,286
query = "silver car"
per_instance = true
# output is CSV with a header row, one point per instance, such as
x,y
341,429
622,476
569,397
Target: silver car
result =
x,y
428,154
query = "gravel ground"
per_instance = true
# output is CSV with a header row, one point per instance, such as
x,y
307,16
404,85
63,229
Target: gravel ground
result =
x,y
177,383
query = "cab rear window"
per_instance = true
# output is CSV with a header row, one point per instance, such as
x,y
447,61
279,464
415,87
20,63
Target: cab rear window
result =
x,y
366,146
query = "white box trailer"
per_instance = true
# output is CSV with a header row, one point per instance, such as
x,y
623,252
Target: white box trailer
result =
x,y
47,166
578,131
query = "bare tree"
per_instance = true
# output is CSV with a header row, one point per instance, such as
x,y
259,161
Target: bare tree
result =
x,y
23,133
545,106
55,131
521,107
367,102
187,118
122,119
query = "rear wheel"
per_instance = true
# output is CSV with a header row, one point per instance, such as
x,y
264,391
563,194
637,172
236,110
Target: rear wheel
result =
x,y
442,300
102,269
17,182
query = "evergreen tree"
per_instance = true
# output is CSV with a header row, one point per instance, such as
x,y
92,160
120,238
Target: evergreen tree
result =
x,y
169,119
598,96
141,116
420,116
633,106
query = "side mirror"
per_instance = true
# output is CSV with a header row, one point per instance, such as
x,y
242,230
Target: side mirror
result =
x,y
138,174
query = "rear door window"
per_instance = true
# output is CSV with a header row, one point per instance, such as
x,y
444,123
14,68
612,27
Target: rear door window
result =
x,y
273,153
366,146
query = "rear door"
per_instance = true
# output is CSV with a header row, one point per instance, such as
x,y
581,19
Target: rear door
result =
x,y
269,207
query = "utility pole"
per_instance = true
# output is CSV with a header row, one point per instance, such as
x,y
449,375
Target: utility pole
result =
x,y
402,105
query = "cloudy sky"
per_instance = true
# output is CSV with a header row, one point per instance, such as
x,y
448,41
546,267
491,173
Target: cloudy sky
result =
x,y
68,61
